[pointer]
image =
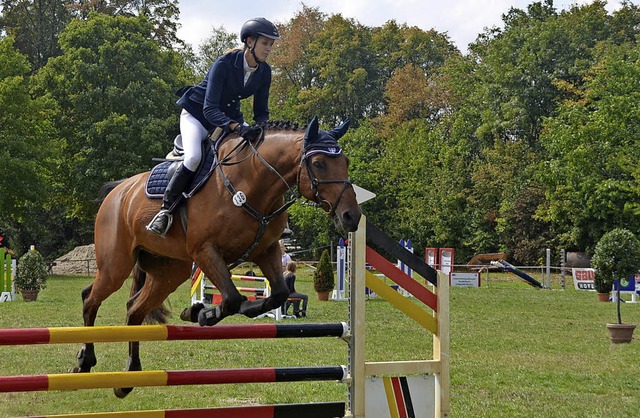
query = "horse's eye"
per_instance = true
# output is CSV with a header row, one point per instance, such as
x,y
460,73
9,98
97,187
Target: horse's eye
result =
x,y
318,164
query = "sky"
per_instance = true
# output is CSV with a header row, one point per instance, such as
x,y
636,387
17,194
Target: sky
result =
x,y
461,20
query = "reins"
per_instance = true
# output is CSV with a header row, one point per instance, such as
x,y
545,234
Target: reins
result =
x,y
239,198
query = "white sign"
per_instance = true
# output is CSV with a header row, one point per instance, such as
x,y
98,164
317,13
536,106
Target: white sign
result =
x,y
446,260
583,278
362,195
465,279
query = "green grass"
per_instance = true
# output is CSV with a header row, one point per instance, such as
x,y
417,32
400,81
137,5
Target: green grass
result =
x,y
515,352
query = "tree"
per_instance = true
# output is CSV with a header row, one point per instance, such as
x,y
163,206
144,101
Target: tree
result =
x,y
163,15
218,42
592,175
35,26
115,88
27,139
343,85
290,62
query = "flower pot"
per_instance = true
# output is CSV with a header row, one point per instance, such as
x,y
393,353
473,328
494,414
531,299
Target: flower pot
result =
x,y
621,333
29,295
603,297
323,296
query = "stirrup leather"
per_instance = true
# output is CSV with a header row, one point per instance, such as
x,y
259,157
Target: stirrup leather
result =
x,y
153,227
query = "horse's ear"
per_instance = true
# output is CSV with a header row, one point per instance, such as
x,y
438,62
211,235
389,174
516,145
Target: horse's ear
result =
x,y
339,132
312,130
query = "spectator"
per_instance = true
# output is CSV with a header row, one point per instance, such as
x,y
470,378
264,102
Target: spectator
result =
x,y
286,258
290,280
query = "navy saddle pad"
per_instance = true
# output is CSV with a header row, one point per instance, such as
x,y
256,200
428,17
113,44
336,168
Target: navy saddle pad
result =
x,y
161,174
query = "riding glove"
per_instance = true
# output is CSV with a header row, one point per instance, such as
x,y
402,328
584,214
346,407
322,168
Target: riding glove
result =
x,y
250,133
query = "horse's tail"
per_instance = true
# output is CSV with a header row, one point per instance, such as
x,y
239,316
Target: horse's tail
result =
x,y
106,188
156,316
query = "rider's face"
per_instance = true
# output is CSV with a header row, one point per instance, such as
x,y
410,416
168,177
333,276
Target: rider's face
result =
x,y
263,47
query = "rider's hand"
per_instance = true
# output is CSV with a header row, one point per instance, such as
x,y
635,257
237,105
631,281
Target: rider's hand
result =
x,y
250,133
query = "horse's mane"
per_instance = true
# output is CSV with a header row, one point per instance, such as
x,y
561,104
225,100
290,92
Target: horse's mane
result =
x,y
282,125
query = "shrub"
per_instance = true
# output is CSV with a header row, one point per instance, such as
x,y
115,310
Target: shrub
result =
x,y
32,272
617,256
323,279
601,285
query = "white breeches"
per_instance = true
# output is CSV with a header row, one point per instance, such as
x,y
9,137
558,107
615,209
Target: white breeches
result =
x,y
192,135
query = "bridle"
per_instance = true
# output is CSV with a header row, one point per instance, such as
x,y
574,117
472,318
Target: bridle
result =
x,y
294,191
315,182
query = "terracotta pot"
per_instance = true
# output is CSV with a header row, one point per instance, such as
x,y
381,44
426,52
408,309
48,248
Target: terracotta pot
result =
x,y
323,296
603,297
621,333
29,295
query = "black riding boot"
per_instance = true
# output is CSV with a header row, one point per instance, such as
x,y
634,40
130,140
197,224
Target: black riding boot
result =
x,y
161,223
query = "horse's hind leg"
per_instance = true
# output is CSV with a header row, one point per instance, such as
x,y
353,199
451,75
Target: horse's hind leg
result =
x,y
87,356
146,304
107,281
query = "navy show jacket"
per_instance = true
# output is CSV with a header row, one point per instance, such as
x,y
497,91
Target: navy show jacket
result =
x,y
215,102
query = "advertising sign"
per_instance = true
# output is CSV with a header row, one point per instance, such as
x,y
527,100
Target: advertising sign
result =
x,y
583,278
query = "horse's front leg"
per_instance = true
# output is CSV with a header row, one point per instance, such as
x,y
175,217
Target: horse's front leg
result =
x,y
214,267
270,265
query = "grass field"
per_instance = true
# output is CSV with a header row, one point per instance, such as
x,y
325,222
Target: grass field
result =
x,y
515,352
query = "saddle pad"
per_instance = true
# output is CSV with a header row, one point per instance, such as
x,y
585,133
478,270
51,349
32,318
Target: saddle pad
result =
x,y
158,180
161,174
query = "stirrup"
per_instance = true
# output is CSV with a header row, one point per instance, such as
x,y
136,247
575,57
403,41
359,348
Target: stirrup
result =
x,y
157,229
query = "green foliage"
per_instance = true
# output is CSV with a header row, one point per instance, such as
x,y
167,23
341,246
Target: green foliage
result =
x,y
115,88
617,256
323,279
31,273
591,176
216,44
35,26
526,142
27,145
601,285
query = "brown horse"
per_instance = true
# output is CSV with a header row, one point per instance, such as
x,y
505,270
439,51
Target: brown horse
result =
x,y
221,229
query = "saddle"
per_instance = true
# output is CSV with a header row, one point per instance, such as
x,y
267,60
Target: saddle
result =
x,y
162,173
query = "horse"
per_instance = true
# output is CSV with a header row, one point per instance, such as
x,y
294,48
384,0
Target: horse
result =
x,y
237,215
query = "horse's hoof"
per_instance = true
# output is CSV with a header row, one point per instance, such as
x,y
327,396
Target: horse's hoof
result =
x,y
75,370
210,316
122,392
190,314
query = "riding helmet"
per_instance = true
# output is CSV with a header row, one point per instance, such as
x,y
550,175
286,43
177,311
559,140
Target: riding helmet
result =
x,y
259,27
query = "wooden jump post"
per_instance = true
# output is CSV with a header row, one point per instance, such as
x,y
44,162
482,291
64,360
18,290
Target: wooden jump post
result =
x,y
363,397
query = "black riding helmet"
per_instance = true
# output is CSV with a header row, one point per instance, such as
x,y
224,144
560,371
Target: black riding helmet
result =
x,y
259,27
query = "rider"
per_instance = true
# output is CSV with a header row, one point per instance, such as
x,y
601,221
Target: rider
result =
x,y
215,103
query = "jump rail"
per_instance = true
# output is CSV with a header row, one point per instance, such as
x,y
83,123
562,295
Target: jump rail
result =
x,y
100,380
66,335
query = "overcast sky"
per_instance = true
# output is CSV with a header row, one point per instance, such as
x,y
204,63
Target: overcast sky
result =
x,y
462,20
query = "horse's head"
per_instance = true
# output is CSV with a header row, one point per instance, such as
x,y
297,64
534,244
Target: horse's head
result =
x,y
324,178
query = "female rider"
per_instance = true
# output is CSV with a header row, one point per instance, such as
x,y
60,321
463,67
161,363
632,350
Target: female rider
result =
x,y
215,103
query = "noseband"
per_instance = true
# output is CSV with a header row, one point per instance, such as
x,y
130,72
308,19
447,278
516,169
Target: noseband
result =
x,y
315,182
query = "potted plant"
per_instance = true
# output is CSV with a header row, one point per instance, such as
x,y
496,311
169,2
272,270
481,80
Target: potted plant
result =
x,y
323,279
31,275
603,287
617,255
